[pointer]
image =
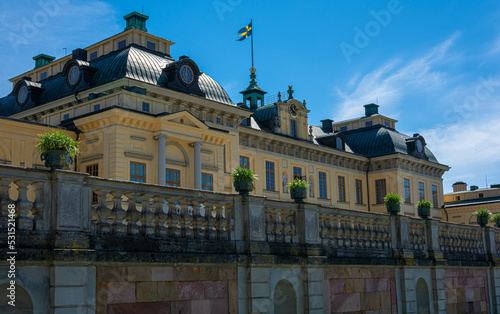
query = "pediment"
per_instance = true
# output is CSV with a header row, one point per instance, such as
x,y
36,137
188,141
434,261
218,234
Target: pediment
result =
x,y
184,118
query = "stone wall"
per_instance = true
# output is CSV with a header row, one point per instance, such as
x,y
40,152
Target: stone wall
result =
x,y
166,289
365,290
467,290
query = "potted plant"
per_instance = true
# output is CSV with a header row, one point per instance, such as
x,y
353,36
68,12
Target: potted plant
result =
x,y
496,219
483,216
424,209
57,149
392,203
298,190
243,180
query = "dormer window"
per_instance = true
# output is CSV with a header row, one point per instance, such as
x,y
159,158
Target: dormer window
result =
x,y
420,146
43,75
368,123
338,143
343,128
386,123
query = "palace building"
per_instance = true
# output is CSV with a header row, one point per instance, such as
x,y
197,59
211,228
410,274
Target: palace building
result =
x,y
147,219
140,115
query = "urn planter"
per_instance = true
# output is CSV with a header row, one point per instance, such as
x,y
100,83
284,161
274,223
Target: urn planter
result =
x,y
298,194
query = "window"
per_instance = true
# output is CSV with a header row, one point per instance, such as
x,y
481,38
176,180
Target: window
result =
x,y
421,191
380,190
218,120
151,45
458,198
244,162
122,44
93,55
359,192
145,107
244,121
341,189
93,170
137,172
297,173
293,128
368,123
343,128
386,123
481,195
66,116
407,191
435,196
338,143
269,175
97,107
43,75
322,185
269,147
173,177
207,183
311,187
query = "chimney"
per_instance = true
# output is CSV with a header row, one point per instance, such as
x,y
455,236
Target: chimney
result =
x,y
80,54
459,186
371,109
136,20
42,60
327,125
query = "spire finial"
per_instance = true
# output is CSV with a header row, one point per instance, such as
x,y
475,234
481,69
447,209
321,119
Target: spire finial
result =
x,y
290,92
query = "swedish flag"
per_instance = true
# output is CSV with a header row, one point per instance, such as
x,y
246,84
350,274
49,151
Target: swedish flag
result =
x,y
245,32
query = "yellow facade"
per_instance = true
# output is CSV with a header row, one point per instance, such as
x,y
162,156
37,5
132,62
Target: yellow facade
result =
x,y
461,204
118,134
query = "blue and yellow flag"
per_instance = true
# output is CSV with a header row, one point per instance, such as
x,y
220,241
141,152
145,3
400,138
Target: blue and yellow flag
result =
x,y
245,32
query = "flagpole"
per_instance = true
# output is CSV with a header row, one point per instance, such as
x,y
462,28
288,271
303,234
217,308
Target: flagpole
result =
x,y
251,22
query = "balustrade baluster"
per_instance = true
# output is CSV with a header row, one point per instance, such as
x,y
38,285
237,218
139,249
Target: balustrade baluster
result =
x,y
132,216
5,200
118,213
23,206
38,205
146,215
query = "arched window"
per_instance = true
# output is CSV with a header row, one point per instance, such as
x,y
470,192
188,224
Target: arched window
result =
x,y
423,304
22,301
285,299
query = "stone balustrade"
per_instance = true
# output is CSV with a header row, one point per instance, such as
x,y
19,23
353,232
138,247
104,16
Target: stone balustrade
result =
x,y
74,211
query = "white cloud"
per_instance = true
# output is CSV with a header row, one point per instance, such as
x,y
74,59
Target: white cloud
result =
x,y
391,81
470,147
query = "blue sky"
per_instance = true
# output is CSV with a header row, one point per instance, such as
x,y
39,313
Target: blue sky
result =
x,y
433,65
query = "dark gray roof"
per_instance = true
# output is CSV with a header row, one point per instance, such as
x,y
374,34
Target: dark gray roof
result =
x,y
379,140
134,62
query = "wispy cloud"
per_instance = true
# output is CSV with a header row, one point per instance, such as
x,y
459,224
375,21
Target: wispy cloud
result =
x,y
390,82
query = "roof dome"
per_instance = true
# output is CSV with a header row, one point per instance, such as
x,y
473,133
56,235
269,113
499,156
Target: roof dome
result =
x,y
133,62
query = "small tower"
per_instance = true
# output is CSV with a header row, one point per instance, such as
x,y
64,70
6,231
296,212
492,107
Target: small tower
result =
x,y
136,20
253,96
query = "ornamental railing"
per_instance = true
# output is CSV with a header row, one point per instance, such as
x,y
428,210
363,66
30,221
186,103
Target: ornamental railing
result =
x,y
62,210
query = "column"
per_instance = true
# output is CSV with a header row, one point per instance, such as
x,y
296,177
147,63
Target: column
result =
x,y
161,158
197,165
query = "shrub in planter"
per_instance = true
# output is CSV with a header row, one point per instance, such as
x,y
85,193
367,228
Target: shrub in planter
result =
x,y
298,190
57,149
496,219
243,179
392,203
483,216
424,209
